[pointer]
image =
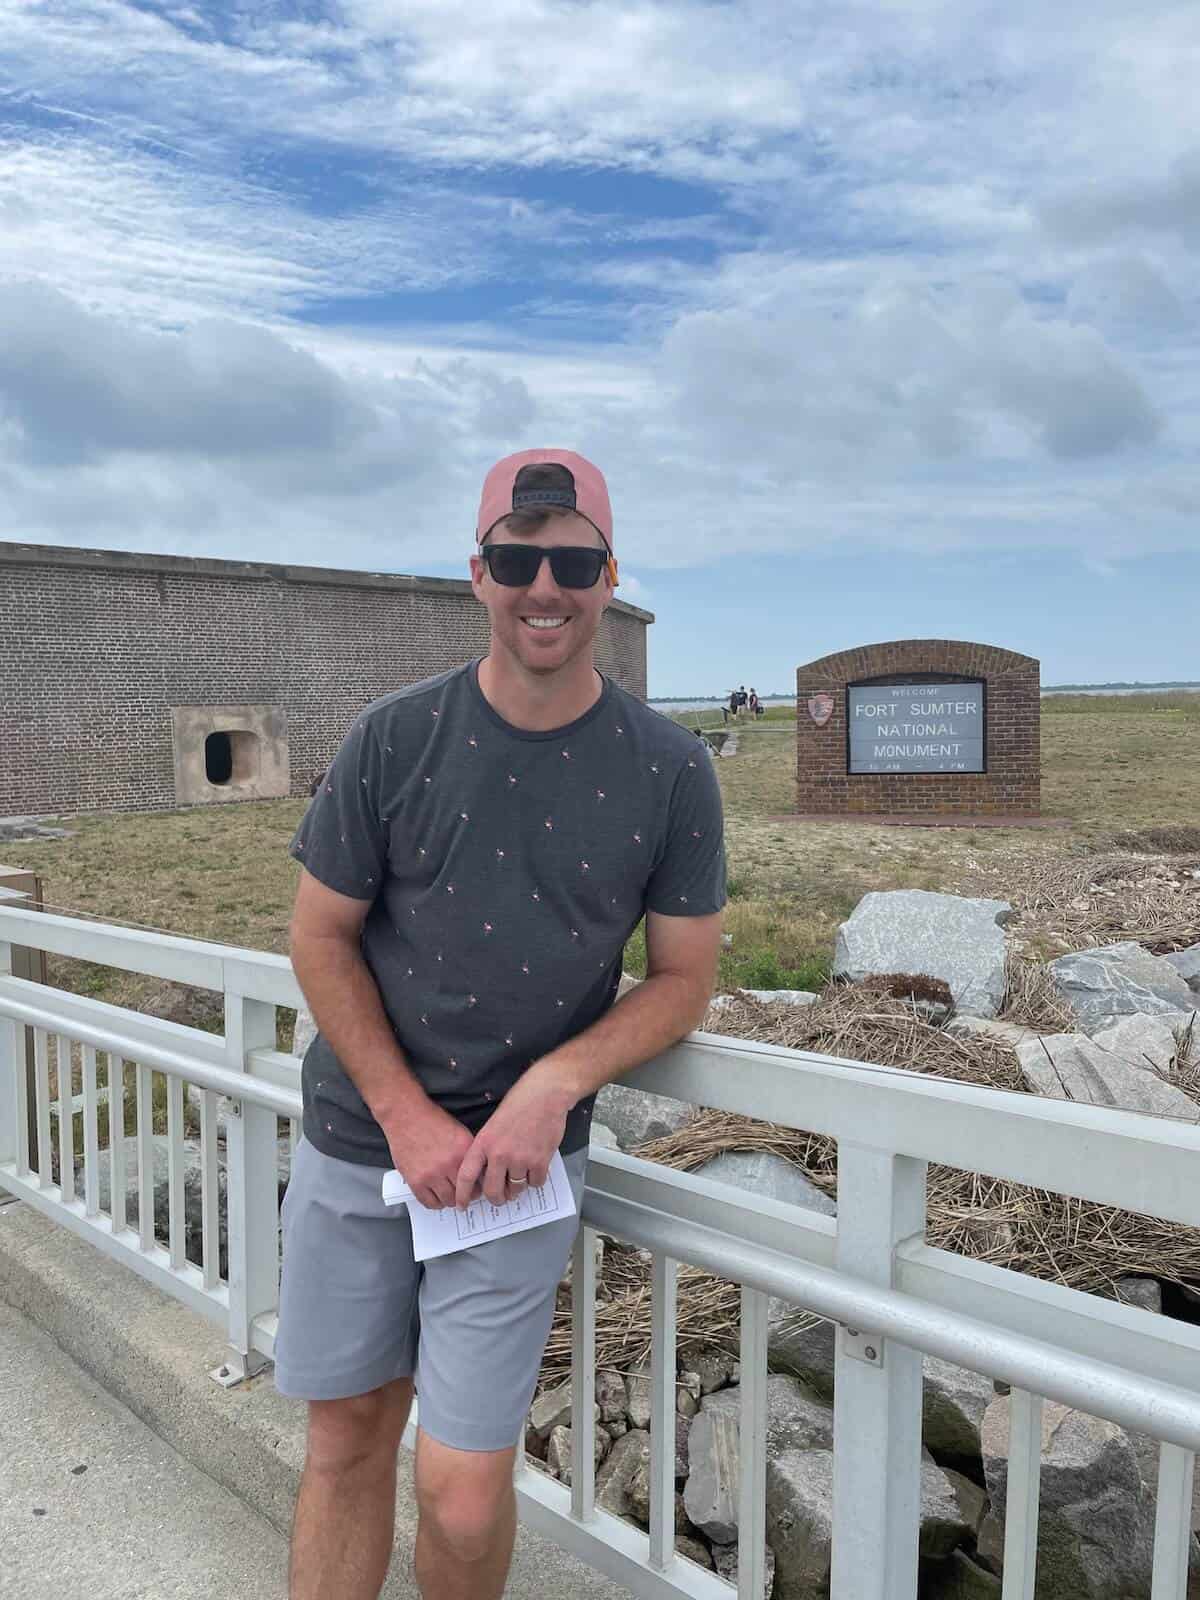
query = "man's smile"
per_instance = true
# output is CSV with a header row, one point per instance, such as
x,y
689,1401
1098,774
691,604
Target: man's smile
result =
x,y
536,621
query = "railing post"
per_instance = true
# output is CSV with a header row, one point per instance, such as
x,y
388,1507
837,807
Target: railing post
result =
x,y
877,1389
17,887
252,1193
12,1074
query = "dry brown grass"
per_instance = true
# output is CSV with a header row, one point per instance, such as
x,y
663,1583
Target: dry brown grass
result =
x,y
1101,899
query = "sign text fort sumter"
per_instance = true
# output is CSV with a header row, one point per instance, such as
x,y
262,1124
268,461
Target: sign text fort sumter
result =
x,y
915,727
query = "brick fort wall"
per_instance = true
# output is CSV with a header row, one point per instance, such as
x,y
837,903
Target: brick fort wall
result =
x,y
1011,785
97,646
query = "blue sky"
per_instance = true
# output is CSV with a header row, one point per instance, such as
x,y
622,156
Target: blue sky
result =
x,y
881,318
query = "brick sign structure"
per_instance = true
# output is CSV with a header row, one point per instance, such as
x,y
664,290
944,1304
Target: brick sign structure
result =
x,y
138,682
918,727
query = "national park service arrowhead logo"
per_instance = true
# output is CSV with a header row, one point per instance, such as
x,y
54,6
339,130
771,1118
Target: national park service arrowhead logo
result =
x,y
820,708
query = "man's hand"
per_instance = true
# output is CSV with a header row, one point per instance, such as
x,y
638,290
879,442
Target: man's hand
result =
x,y
428,1147
513,1150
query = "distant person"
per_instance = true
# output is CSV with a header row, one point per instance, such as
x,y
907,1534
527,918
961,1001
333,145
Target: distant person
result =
x,y
732,709
755,707
741,697
482,847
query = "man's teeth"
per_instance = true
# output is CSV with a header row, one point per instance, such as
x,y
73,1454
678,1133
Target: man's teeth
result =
x,y
545,622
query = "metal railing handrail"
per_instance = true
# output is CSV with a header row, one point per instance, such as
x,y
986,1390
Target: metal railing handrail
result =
x,y
134,1047
1099,1388
257,974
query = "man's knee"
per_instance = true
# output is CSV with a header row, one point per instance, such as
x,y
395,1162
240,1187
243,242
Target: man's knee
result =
x,y
465,1498
344,1433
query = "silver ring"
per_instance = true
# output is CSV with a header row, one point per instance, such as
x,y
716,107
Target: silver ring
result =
x,y
518,1183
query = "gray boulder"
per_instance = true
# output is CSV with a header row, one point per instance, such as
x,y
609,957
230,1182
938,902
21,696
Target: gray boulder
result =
x,y
713,1367
800,1522
552,1409
955,1401
636,1116
725,1559
972,1500
639,1502
800,1519
1070,1066
942,936
615,1477
601,1138
991,1028
558,1451
944,1524
710,1495
766,1174
1145,1293
797,1419
304,1032
1095,1531
1147,1451
639,1403
1141,1041
611,1394
801,1343
1117,980
193,1190
960,1578
683,1426
687,1394
1187,965
693,1550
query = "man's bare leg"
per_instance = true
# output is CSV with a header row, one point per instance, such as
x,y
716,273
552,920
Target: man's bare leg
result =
x,y
346,1508
468,1521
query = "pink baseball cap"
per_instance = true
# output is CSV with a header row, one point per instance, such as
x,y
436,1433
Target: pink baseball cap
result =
x,y
545,478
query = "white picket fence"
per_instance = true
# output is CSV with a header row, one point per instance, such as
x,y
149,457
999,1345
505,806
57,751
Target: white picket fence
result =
x,y
869,1269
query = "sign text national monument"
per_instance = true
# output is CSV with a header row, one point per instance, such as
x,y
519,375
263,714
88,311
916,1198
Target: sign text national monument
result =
x,y
919,726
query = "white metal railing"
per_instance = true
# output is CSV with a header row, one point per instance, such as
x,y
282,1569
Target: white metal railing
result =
x,y
869,1269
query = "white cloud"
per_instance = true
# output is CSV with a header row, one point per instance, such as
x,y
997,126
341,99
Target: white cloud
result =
x,y
906,313
903,375
1107,209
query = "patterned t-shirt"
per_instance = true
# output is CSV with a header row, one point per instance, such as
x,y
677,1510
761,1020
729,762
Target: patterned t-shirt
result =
x,y
506,870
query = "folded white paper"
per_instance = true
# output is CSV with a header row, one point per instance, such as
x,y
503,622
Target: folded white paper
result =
x,y
439,1233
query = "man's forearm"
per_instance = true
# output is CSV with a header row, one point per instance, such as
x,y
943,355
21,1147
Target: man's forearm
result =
x,y
345,1002
643,1023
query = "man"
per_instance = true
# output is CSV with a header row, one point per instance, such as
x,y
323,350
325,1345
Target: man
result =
x,y
482,847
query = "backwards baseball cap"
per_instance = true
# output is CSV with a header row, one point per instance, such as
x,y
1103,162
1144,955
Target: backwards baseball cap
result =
x,y
537,480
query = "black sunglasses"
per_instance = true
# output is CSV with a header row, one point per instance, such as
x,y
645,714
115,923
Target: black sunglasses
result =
x,y
516,566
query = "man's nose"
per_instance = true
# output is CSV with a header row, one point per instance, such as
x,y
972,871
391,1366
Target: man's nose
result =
x,y
543,586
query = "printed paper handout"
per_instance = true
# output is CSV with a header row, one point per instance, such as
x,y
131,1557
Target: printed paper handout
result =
x,y
438,1233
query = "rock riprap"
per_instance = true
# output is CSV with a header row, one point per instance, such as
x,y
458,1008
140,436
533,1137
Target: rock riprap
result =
x,y
1118,980
946,936
1070,1066
1095,1529
636,1116
1187,965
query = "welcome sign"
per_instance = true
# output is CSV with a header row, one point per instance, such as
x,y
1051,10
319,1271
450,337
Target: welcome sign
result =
x,y
915,727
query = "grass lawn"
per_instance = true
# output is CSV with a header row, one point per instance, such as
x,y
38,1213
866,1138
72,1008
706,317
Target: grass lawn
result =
x,y
223,873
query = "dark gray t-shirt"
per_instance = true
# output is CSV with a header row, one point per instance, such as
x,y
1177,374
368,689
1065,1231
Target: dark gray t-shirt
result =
x,y
506,870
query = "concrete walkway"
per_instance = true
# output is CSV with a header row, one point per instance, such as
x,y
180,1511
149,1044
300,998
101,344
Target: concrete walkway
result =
x,y
92,1502
189,1486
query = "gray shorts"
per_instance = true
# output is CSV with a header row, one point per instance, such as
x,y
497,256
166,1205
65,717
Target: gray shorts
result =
x,y
356,1311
